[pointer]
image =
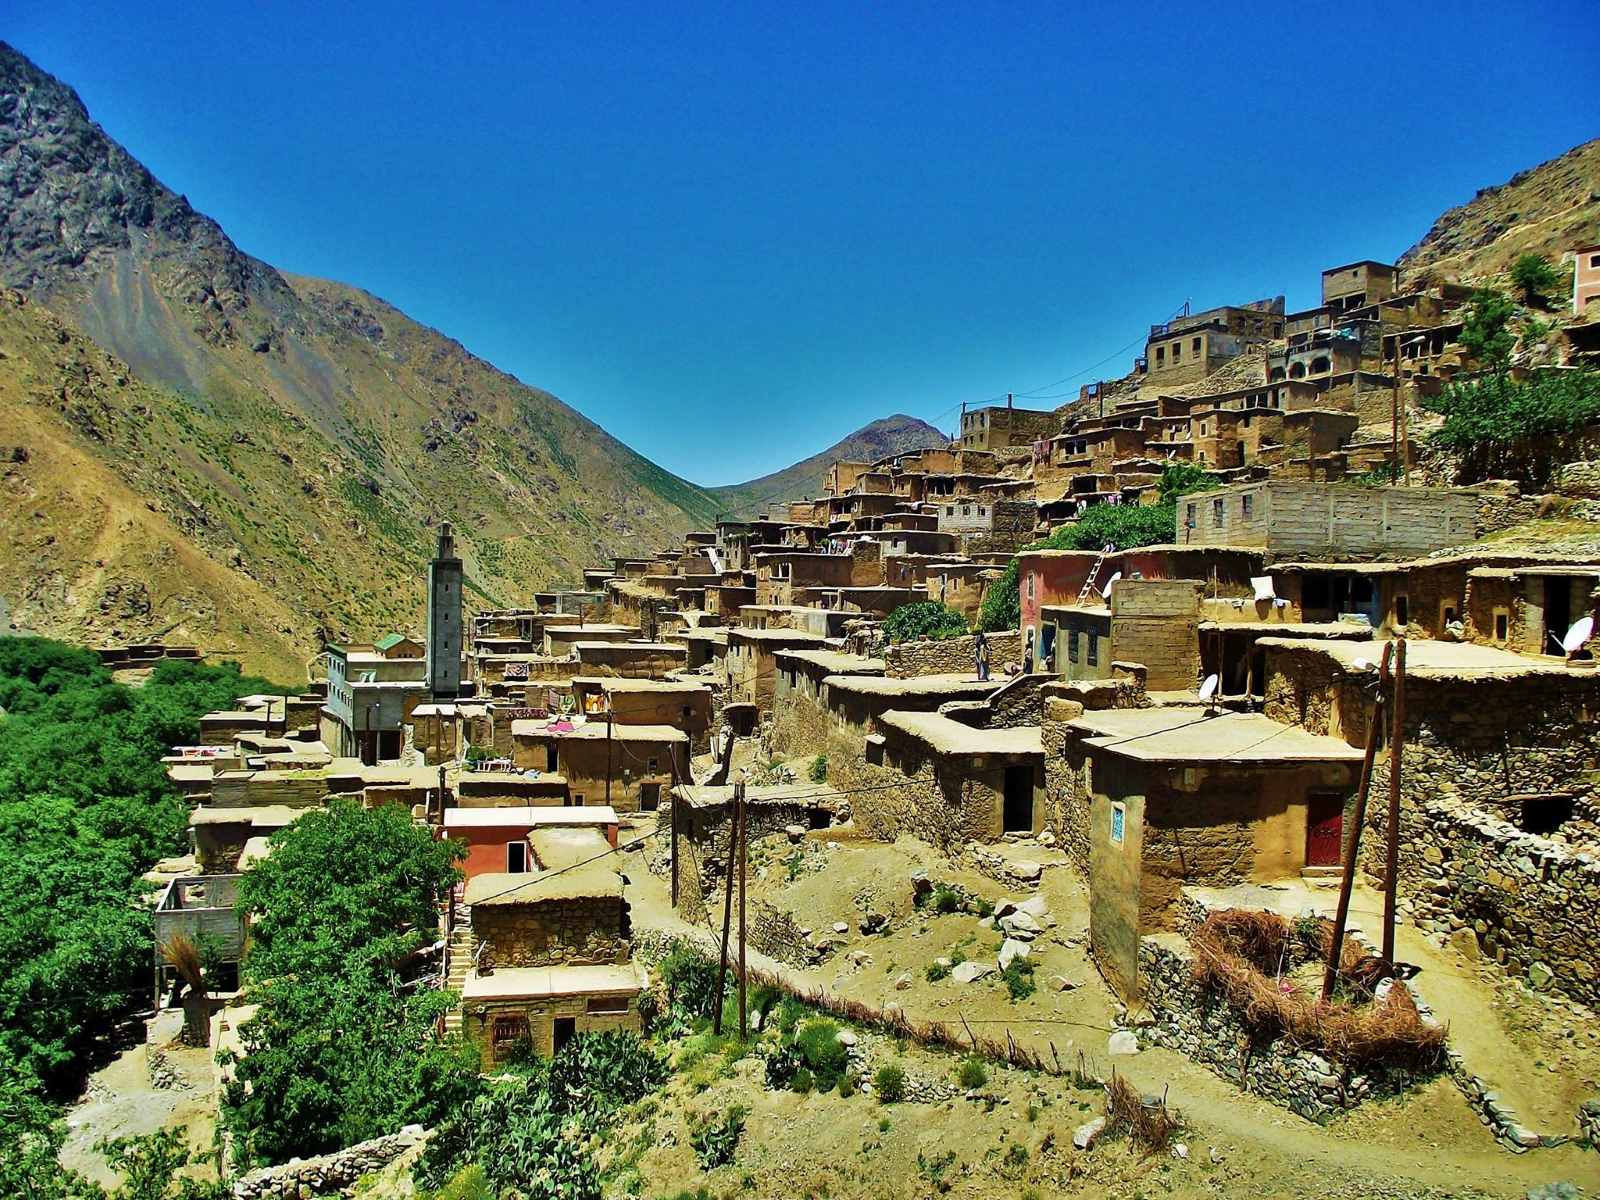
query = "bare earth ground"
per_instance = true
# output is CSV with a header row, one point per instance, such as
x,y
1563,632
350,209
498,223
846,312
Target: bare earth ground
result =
x,y
1428,1143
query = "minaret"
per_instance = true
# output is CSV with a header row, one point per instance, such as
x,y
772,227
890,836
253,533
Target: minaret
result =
x,y
444,618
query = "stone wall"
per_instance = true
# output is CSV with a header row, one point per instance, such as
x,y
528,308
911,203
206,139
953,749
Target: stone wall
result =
x,y
328,1173
581,931
1207,1029
907,796
775,933
952,656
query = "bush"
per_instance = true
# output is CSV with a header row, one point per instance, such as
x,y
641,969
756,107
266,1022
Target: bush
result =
x,y
1504,427
848,1084
972,1073
790,1012
1534,276
772,773
804,1082
1001,609
819,769
819,1044
1018,978
597,1073
946,901
1485,334
926,618
519,1139
889,1083
691,983
716,1138
935,971
764,998
784,1061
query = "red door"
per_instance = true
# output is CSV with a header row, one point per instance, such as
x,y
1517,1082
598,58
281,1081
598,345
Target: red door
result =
x,y
1324,831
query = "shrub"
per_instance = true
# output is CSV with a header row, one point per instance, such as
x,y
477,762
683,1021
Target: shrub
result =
x,y
946,901
926,618
772,773
783,1062
1512,428
691,982
717,1138
1484,333
972,1073
819,1044
1534,276
889,1083
819,769
1001,608
848,1084
765,998
936,971
597,1073
1018,978
790,1012
804,1082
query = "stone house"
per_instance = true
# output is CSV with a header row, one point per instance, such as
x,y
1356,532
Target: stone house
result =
x,y
996,427
800,721
560,640
633,660
1156,799
680,703
1153,622
751,667
627,767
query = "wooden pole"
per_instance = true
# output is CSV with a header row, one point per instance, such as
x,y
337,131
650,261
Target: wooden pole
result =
x,y
1347,882
673,843
744,857
1394,411
727,915
608,751
1397,740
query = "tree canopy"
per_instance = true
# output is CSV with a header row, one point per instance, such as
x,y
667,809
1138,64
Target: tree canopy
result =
x,y
1486,333
1515,428
925,618
1534,277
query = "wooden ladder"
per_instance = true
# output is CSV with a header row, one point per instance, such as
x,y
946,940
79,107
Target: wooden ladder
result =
x,y
1094,573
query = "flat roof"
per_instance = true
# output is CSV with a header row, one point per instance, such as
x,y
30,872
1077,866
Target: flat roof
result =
x,y
593,878
956,687
616,683
835,662
558,847
582,627
519,983
264,815
597,729
744,633
1429,659
1195,735
543,816
701,795
943,735
1310,630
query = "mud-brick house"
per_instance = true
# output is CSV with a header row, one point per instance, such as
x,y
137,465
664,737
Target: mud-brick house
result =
x,y
750,663
1153,622
1302,519
544,956
218,835
800,723
560,640
680,703
628,767
501,840
1157,799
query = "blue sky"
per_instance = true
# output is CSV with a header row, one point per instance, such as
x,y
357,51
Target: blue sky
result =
x,y
732,234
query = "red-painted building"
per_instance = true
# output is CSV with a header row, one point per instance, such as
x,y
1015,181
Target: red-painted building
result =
x,y
497,839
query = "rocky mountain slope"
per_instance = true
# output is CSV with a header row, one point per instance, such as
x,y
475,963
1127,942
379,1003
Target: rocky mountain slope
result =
x,y
1546,210
898,434
299,437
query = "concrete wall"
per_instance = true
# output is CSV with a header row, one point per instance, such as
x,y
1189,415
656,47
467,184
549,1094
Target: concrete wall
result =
x,y
1303,519
1156,622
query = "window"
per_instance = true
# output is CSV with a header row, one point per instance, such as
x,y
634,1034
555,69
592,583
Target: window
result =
x,y
507,1031
653,764
1502,626
607,1004
1188,517
1093,655
1177,351
1161,353
1594,260
1196,346
1217,517
1030,585
1072,645
577,799
1119,822
1246,506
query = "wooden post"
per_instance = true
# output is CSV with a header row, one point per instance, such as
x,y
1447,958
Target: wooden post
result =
x,y
744,856
1397,741
1347,883
1394,409
727,914
608,751
673,843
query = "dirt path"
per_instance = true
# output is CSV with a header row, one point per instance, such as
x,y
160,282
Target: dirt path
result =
x,y
1429,1139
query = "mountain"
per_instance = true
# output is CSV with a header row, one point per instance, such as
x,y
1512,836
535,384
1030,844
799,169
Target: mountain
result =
x,y
234,450
1546,210
898,434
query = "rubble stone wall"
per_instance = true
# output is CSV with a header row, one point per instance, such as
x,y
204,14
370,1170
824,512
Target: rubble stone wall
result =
x,y
328,1173
952,656
576,932
911,798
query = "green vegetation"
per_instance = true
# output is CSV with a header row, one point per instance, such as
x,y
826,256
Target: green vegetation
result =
x,y
924,619
772,773
819,769
1018,978
85,809
716,1138
972,1073
1534,277
1486,333
1503,427
341,1049
889,1083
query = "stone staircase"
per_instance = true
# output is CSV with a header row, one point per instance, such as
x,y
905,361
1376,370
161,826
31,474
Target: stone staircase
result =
x,y
463,946
1321,877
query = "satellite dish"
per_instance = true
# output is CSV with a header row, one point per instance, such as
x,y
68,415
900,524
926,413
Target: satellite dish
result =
x,y
1361,664
1582,629
1208,689
1105,592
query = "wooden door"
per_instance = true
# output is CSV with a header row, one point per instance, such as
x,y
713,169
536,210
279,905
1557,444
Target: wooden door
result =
x,y
1324,830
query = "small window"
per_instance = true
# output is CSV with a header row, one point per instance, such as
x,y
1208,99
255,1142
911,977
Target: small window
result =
x,y
687,712
507,1032
1177,351
607,1004
1594,260
1188,518
654,764
1502,626
1196,346
1161,353
1094,649
577,799
1246,506
1030,585
1217,517
1119,822
1072,645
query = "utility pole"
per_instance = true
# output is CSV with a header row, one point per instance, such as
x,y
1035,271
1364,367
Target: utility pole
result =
x,y
1397,741
727,910
1394,409
743,812
608,751
673,814
1347,882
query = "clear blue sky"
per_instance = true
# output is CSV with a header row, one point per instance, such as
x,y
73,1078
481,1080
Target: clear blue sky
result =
x,y
731,235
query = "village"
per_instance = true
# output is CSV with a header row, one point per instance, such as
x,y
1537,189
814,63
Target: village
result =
x,y
1296,809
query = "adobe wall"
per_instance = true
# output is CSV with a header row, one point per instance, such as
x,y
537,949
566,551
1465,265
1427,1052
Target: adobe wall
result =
x,y
911,798
952,656
477,1027
583,931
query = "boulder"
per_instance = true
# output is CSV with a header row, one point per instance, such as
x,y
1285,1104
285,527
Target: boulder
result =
x,y
967,972
795,833
1085,1135
1026,870
1060,983
841,926
902,981
1123,1041
1540,976
1020,925
1011,950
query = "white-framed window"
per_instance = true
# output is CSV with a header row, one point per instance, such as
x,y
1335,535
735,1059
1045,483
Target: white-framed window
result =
x,y
1119,822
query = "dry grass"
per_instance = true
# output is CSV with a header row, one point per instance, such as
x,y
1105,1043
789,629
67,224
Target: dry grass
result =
x,y
1243,954
183,956
1148,1126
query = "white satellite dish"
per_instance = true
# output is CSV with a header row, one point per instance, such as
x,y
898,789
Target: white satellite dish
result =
x,y
1582,629
1208,689
1105,592
1361,664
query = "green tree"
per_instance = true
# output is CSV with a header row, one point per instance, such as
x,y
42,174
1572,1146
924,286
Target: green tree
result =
x,y
1518,429
1485,334
925,618
1534,277
346,886
1002,602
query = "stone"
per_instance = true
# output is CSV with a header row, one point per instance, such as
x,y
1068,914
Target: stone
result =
x,y
795,833
944,963
846,1038
1047,838
1179,1150
902,981
969,972
1085,1135
1020,924
1122,1042
841,926
1011,950
1026,870
1060,983
1464,942
1540,976
860,957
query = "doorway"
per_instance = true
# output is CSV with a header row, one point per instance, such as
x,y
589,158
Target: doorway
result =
x,y
550,761
516,858
1324,829
1017,809
1557,613
649,797
561,1032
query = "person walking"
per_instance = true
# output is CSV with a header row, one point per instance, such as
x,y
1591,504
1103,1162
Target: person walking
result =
x,y
981,651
